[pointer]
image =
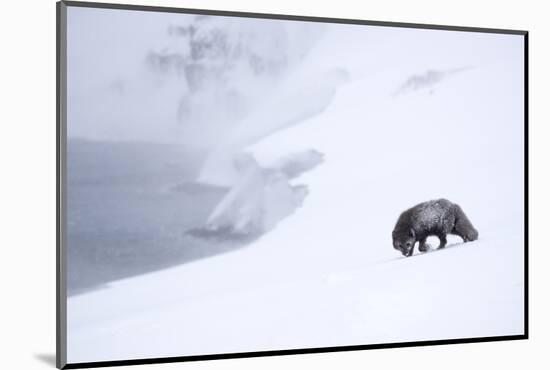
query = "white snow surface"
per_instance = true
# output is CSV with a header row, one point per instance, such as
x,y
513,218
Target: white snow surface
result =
x,y
327,275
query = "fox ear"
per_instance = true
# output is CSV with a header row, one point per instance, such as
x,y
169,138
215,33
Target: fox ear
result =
x,y
413,235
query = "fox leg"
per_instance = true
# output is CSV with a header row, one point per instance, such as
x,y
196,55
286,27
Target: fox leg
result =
x,y
442,241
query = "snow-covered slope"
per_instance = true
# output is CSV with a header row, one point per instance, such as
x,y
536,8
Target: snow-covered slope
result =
x,y
327,275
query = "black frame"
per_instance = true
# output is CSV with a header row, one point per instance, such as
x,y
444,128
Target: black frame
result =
x,y
61,298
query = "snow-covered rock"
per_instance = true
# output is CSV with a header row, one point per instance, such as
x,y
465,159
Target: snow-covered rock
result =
x,y
261,197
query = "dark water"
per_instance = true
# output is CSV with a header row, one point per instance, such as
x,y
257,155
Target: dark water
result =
x,y
131,207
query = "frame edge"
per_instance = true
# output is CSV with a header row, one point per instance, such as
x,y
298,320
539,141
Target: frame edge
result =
x,y
61,100
288,17
61,104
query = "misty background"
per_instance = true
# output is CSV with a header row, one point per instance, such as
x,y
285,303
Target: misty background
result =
x,y
175,78
155,102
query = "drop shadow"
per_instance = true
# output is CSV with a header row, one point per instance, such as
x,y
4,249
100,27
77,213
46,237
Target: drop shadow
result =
x,y
46,358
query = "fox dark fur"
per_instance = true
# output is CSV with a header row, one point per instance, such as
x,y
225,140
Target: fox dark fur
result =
x,y
433,218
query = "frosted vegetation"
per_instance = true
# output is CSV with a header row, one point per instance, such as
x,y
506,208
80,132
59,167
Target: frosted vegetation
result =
x,y
199,76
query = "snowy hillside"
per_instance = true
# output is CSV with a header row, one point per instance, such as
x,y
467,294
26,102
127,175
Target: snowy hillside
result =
x,y
327,275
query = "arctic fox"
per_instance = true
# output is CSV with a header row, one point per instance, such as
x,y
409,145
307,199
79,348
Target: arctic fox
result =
x,y
435,217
